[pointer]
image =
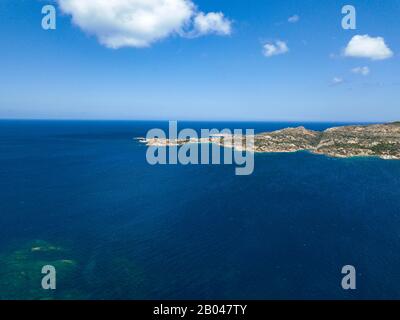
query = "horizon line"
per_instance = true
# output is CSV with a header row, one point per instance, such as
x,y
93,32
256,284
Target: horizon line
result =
x,y
192,120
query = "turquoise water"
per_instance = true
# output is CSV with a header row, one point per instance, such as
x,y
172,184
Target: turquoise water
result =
x,y
81,196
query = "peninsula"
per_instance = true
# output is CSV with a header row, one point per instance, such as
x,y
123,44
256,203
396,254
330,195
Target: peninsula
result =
x,y
376,140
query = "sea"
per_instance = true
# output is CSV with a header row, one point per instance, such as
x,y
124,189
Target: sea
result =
x,y
80,196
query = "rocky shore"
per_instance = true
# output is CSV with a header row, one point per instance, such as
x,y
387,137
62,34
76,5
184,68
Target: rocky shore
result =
x,y
378,140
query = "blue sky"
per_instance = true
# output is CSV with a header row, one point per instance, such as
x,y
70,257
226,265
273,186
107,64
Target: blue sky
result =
x,y
204,71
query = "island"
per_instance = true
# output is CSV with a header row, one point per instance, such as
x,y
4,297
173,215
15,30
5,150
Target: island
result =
x,y
375,140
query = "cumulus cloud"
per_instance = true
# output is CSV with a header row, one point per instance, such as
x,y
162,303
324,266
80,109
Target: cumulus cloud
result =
x,y
368,47
293,19
212,23
364,71
274,49
140,23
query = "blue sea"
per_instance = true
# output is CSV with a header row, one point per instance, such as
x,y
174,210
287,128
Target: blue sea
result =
x,y
81,196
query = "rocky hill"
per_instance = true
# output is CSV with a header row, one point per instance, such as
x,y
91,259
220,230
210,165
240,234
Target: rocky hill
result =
x,y
379,140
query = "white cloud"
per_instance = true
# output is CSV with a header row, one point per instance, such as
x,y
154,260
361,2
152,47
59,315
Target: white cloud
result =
x,y
140,23
361,70
368,47
274,49
337,81
293,19
212,23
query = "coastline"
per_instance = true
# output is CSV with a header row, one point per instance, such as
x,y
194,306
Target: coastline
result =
x,y
376,140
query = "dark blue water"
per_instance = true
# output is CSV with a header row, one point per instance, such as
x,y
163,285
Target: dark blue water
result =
x,y
135,231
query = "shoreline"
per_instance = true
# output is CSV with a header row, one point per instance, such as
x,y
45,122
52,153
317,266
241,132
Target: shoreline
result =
x,y
376,140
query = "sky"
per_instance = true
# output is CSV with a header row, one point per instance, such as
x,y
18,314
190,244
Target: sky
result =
x,y
250,60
